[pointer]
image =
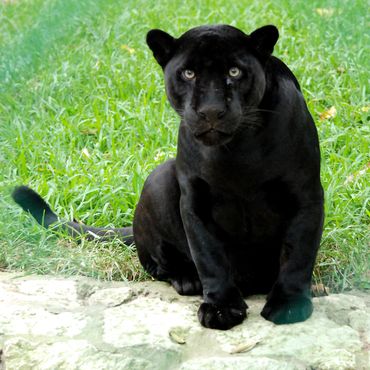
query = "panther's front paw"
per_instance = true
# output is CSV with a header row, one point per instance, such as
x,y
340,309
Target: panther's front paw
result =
x,y
223,318
287,310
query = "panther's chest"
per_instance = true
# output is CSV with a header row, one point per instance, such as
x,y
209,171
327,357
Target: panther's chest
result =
x,y
248,220
239,176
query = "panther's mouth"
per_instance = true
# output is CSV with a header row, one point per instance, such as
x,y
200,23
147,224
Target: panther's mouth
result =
x,y
213,137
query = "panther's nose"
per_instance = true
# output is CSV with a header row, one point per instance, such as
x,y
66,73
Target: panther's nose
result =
x,y
211,113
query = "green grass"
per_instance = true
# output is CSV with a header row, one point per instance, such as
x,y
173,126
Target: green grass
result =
x,y
84,119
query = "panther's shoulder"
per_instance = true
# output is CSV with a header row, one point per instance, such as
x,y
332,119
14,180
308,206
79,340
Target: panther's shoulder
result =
x,y
276,69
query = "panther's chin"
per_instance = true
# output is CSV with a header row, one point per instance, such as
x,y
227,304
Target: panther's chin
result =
x,y
213,137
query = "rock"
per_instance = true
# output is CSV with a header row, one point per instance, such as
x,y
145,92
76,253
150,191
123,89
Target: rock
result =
x,y
112,297
242,363
80,323
70,354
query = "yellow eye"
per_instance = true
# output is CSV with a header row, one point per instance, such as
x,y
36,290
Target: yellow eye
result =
x,y
188,74
235,72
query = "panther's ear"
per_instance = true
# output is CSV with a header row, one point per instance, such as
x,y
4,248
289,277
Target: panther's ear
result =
x,y
264,39
162,45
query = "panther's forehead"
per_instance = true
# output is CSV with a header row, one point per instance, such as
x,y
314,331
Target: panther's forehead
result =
x,y
220,32
209,44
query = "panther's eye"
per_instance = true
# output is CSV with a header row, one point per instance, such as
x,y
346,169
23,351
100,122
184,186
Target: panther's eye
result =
x,y
235,72
188,74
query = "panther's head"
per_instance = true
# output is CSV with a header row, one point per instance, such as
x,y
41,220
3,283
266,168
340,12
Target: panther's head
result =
x,y
214,77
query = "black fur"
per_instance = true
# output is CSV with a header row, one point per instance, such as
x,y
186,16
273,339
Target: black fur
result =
x,y
240,209
31,202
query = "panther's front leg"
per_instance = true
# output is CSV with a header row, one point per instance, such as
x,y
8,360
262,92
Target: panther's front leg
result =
x,y
223,305
290,299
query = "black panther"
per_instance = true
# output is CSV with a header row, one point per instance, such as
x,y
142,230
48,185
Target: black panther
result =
x,y
239,211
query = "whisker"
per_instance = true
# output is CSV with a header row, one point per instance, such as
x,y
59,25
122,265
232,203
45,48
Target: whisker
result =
x,y
226,147
255,109
180,111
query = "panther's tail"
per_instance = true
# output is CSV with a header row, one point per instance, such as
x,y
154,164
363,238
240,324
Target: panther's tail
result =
x,y
32,202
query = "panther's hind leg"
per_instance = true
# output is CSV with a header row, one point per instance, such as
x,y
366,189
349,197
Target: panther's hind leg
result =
x,y
159,234
186,282
186,285
166,261
174,268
